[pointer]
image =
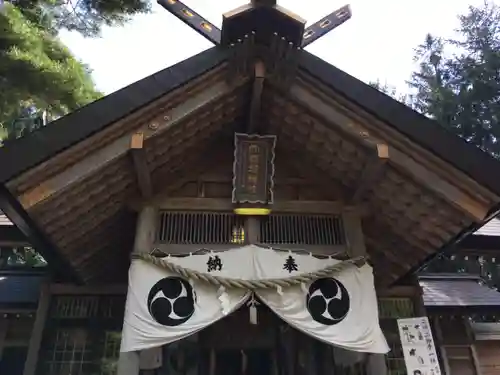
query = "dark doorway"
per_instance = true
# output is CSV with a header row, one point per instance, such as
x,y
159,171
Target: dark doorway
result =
x,y
12,361
244,362
259,362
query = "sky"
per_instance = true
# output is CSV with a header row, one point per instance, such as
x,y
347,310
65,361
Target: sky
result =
x,y
375,44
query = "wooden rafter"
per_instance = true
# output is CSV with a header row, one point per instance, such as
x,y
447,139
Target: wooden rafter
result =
x,y
255,100
116,149
371,173
216,204
465,202
141,167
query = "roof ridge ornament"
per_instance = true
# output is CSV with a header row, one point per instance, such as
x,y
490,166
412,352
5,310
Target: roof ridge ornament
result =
x,y
241,21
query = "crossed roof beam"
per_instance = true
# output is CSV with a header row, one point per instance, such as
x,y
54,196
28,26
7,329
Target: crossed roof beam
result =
x,y
213,33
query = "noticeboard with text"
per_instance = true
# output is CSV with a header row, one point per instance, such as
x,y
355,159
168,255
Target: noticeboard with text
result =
x,y
418,346
253,168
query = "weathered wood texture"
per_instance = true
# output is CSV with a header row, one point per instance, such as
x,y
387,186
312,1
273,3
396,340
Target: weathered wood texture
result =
x,y
455,342
291,180
411,206
83,208
488,353
415,206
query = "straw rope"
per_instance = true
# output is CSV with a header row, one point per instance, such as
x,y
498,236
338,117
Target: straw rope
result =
x,y
249,284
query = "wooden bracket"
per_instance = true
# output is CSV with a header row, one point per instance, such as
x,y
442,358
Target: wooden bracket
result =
x,y
255,101
141,165
371,173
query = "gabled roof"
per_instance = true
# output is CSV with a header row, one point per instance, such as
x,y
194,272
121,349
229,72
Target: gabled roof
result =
x,y
422,130
4,220
491,228
456,290
184,130
9,233
38,146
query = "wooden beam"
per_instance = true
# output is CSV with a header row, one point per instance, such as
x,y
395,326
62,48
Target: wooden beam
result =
x,y
141,167
192,19
371,173
336,251
37,331
116,149
326,24
71,289
255,101
221,204
429,179
409,291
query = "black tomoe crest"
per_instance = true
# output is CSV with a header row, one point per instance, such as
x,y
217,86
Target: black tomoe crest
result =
x,y
328,301
171,301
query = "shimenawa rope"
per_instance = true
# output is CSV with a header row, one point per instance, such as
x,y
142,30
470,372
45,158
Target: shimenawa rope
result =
x,y
249,284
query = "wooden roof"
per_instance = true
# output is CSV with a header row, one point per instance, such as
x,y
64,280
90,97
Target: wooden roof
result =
x,y
490,229
4,220
452,290
67,185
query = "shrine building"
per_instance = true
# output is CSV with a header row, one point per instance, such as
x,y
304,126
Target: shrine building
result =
x,y
251,210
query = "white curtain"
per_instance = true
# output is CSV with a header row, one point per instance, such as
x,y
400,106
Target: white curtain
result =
x,y
340,310
162,307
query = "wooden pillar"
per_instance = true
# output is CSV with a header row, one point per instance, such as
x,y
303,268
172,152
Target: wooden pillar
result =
x,y
37,331
128,363
418,299
252,229
354,233
145,232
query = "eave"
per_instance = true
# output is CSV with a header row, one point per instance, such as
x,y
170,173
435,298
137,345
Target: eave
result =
x,y
77,192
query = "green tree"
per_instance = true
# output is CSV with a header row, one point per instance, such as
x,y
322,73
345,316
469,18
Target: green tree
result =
x,y
458,80
84,16
37,74
392,91
24,257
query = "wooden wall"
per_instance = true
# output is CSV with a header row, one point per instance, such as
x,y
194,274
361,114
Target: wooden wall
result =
x,y
455,344
488,355
292,181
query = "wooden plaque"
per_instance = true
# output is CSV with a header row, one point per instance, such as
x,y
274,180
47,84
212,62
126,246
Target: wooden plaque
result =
x,y
253,168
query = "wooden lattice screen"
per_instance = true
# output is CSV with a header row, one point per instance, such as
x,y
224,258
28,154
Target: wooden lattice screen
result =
x,y
322,230
391,309
227,228
200,228
82,336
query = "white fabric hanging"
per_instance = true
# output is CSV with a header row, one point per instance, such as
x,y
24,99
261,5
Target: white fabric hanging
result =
x,y
162,307
340,310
